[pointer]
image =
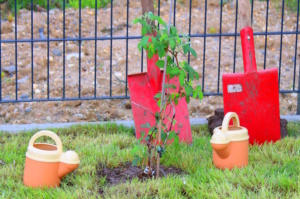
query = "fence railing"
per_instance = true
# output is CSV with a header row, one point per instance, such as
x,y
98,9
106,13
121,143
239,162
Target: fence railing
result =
x,y
213,30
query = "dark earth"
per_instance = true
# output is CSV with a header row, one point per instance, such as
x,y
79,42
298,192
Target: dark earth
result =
x,y
127,172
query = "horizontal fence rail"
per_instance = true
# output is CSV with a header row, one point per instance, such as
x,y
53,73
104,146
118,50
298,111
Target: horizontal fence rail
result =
x,y
218,36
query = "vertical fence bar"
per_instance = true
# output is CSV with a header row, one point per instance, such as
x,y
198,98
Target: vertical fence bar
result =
x,y
252,1
0,61
111,34
79,42
235,31
142,60
95,72
48,24
16,49
64,49
127,16
296,44
282,17
190,22
266,36
174,19
204,46
31,7
220,45
158,9
298,97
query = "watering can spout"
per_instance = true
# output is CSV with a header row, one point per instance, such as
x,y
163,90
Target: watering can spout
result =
x,y
223,150
69,161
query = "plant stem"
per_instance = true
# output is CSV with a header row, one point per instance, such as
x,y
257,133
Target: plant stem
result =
x,y
162,96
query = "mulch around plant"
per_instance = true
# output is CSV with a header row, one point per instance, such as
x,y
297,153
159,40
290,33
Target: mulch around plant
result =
x,y
127,172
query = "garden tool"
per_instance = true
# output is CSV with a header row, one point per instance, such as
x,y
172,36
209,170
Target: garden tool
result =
x,y
230,143
143,87
253,95
46,164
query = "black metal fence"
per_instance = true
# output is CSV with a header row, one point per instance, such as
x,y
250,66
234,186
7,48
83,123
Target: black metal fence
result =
x,y
208,33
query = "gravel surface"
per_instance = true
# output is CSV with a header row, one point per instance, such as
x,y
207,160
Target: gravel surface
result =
x,y
105,110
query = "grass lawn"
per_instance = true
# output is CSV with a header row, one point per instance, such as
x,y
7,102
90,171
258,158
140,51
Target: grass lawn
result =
x,y
273,170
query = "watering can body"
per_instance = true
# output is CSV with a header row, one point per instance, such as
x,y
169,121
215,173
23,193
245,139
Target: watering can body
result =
x,y
230,144
46,164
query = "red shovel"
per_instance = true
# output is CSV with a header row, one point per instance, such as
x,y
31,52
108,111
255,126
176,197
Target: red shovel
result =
x,y
143,87
253,95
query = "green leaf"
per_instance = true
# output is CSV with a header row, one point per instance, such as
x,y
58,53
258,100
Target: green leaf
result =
x,y
140,47
193,52
188,90
195,93
147,125
174,122
160,63
144,41
147,138
135,21
173,86
182,76
158,96
150,54
144,30
175,71
164,36
200,95
161,49
172,43
176,101
158,102
135,149
171,135
173,30
185,48
187,99
135,162
163,136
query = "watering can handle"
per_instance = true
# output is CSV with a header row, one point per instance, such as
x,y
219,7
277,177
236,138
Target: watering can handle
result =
x,y
49,134
247,37
227,118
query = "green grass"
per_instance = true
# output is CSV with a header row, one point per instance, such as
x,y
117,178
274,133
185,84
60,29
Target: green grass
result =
x,y
273,170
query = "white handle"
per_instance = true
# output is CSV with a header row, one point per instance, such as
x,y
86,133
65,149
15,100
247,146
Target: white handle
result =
x,y
49,134
227,118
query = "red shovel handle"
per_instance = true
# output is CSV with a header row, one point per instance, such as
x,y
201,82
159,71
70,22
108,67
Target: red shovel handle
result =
x,y
248,50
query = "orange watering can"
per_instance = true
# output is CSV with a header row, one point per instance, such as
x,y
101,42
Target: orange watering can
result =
x,y
230,144
46,164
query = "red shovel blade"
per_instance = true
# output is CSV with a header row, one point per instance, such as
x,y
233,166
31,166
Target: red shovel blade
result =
x,y
254,96
142,91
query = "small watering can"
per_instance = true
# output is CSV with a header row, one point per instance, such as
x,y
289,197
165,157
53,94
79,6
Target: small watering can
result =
x,y
230,143
46,164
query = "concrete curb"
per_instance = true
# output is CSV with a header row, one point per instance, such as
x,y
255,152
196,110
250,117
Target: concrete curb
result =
x,y
17,128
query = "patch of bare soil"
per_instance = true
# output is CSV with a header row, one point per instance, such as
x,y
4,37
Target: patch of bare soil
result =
x,y
127,172
64,59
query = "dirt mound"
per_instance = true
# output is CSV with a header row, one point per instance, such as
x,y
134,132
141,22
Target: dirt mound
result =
x,y
127,172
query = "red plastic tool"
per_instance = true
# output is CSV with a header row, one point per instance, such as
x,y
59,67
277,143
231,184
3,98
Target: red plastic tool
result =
x,y
254,95
143,87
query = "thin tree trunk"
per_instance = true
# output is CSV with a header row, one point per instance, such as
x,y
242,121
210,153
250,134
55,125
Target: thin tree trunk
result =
x,y
147,6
